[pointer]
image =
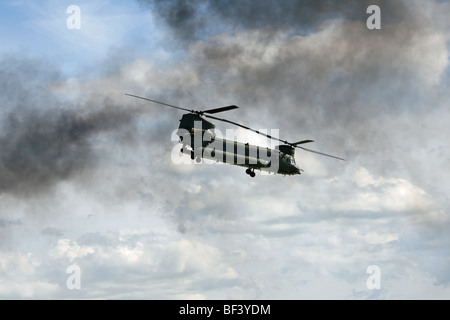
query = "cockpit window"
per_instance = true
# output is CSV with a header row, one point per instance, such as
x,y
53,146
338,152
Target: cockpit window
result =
x,y
292,161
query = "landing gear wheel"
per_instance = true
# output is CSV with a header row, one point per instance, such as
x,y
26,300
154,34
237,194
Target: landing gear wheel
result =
x,y
250,172
198,160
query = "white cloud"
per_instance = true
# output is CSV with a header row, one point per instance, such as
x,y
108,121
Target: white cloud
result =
x,y
20,277
66,248
194,257
18,264
385,194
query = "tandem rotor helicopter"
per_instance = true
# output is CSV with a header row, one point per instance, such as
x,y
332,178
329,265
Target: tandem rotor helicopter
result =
x,y
199,141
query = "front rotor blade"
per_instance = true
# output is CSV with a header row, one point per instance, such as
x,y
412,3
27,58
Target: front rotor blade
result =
x,y
323,154
162,103
302,142
217,110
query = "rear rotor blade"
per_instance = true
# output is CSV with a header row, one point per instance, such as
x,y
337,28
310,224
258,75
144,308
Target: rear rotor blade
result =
x,y
247,128
274,138
323,154
158,102
217,110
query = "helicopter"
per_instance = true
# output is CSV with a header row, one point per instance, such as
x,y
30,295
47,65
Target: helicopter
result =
x,y
198,138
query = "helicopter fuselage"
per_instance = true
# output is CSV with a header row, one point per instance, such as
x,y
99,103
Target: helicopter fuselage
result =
x,y
199,141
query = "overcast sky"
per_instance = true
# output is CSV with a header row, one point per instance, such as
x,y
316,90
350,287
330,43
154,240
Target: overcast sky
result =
x,y
87,178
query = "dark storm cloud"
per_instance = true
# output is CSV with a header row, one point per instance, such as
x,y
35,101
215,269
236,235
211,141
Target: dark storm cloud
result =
x,y
43,139
189,18
183,16
343,74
